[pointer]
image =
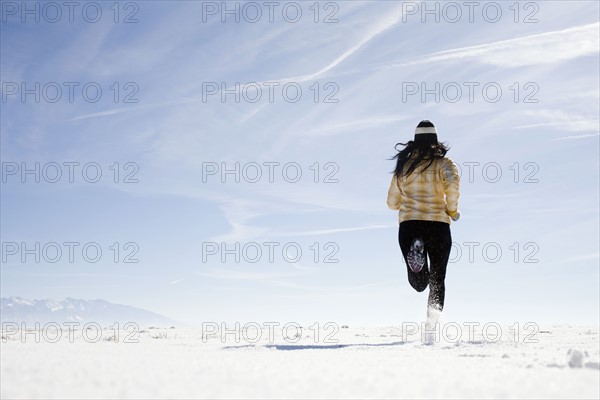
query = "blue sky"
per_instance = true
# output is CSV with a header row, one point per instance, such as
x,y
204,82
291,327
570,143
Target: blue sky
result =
x,y
367,61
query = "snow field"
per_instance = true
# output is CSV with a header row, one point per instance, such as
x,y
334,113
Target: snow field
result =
x,y
560,361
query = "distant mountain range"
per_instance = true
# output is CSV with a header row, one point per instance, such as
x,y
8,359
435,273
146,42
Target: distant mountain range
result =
x,y
19,310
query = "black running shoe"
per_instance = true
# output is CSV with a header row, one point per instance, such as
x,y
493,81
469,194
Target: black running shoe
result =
x,y
416,255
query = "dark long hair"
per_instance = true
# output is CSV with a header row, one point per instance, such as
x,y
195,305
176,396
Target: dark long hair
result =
x,y
415,154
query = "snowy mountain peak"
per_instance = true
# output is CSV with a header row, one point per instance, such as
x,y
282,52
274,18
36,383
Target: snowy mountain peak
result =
x,y
18,300
19,310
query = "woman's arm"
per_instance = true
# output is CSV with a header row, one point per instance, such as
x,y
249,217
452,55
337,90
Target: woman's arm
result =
x,y
394,198
451,181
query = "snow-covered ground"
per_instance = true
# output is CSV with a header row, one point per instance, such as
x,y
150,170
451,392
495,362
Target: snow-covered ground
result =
x,y
553,361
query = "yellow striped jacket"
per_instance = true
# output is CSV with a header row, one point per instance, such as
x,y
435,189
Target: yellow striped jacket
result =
x,y
428,195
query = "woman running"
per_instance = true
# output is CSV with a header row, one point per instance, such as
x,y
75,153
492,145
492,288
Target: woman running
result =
x,y
425,190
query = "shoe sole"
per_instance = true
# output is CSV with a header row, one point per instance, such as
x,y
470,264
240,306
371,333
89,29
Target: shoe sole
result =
x,y
416,256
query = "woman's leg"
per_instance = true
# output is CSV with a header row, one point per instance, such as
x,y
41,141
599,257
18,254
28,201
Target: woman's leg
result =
x,y
407,232
438,243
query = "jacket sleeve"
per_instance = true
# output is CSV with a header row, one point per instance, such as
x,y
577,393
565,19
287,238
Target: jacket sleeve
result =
x,y
394,198
451,181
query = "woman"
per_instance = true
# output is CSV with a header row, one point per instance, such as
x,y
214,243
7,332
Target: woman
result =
x,y
425,190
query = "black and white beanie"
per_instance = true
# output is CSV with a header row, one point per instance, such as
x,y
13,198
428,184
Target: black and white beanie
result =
x,y
425,132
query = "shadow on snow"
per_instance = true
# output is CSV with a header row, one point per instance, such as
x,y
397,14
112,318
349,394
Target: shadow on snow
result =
x,y
287,347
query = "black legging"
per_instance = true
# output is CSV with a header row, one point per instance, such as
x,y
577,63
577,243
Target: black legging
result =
x,y
438,243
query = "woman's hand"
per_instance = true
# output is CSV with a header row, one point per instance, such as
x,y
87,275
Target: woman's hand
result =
x,y
455,215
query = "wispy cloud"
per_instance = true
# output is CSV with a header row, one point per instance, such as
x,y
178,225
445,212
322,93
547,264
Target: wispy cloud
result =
x,y
355,124
496,195
101,114
223,273
60,275
239,212
543,48
563,121
572,137
335,290
244,232
583,257
330,231
385,23
389,20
